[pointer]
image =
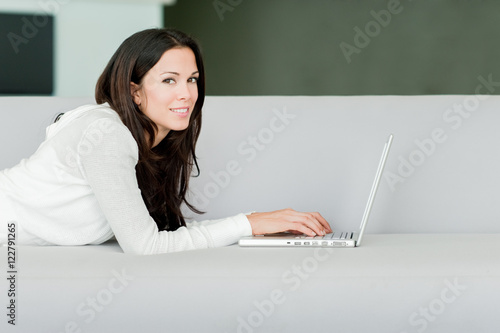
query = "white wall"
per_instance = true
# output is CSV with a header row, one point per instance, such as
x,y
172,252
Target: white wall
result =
x,y
87,34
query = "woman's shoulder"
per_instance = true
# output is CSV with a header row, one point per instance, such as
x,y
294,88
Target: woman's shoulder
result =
x,y
89,118
89,130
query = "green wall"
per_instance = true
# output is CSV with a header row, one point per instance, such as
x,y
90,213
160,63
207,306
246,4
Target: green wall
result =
x,y
343,47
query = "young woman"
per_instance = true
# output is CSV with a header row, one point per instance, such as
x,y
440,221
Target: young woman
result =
x,y
122,167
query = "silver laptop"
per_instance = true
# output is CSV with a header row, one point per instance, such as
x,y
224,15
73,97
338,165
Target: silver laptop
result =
x,y
335,239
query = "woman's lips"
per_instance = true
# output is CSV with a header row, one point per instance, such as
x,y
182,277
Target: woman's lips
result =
x,y
181,112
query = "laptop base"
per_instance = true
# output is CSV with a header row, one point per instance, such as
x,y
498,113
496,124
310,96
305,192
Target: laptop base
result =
x,y
288,240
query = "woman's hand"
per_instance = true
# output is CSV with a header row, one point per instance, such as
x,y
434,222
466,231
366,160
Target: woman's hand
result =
x,y
311,224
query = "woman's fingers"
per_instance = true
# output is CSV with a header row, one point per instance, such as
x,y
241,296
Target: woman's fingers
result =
x,y
323,222
312,221
302,229
311,224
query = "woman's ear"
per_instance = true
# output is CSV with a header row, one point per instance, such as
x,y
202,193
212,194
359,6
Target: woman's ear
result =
x,y
135,91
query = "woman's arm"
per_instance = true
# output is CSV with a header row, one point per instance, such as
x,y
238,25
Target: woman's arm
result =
x,y
108,165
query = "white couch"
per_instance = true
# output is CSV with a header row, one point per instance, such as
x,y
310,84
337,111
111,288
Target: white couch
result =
x,y
429,263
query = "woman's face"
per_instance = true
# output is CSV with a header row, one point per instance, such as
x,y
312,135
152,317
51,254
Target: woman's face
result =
x,y
169,91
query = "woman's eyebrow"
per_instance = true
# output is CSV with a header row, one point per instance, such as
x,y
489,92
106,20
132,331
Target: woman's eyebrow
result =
x,y
175,73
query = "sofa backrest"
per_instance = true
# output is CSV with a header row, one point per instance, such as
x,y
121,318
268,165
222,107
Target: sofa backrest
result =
x,y
321,154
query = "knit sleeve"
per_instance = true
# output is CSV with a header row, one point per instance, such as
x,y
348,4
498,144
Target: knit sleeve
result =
x,y
109,167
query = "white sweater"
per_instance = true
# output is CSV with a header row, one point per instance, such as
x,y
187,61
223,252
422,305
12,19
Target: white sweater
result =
x,y
80,187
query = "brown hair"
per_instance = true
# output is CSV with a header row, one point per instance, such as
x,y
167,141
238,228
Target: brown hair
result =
x,y
163,172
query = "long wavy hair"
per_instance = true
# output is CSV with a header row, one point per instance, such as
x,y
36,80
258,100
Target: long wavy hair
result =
x,y
163,172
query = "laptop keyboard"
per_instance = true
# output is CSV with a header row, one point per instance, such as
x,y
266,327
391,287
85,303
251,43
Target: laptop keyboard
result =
x,y
333,235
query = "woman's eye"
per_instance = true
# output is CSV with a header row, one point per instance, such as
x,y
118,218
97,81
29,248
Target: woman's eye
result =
x,y
193,79
169,81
